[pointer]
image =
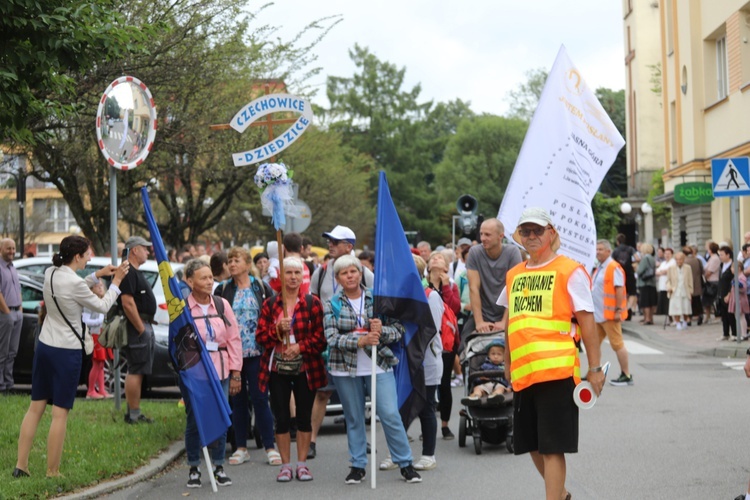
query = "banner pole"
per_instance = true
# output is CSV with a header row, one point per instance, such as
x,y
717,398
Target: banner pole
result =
x,y
210,469
373,414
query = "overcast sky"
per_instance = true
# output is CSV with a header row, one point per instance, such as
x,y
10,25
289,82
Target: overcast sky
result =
x,y
473,50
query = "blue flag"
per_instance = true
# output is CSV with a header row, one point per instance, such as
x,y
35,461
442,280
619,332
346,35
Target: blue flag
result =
x,y
399,294
189,355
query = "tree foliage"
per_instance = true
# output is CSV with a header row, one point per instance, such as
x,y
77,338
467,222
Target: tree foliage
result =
x,y
405,136
332,180
44,45
206,61
606,216
479,160
615,183
523,100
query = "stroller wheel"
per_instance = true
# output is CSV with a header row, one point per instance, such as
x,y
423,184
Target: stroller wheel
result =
x,y
509,443
478,443
462,425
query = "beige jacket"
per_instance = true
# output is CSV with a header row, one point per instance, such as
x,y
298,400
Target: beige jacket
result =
x,y
73,294
673,278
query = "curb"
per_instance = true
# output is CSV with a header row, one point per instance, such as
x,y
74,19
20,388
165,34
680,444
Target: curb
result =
x,y
734,351
154,467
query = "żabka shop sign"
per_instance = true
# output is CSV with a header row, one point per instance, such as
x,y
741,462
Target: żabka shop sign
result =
x,y
694,193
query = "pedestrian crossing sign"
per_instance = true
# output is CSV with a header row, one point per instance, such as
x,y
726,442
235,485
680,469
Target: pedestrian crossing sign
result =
x,y
731,176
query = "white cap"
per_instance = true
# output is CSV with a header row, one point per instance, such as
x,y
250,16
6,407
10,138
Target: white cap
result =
x,y
341,233
535,215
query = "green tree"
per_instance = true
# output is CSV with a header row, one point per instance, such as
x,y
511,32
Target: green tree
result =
x,y
523,101
479,160
332,180
405,136
44,46
201,66
615,183
606,216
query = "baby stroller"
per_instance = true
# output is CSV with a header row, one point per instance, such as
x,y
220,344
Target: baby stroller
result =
x,y
491,423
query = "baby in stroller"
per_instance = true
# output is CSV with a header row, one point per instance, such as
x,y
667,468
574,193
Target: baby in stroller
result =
x,y
493,386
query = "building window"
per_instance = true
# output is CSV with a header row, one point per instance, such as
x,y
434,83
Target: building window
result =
x,y
722,75
57,215
47,249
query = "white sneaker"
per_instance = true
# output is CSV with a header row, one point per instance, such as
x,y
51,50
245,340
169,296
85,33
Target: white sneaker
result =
x,y
388,464
679,325
684,325
458,381
426,463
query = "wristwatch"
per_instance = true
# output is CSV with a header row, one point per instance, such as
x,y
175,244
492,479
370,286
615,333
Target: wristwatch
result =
x,y
596,369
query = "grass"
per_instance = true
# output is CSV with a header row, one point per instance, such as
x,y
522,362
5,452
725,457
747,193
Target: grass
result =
x,y
98,445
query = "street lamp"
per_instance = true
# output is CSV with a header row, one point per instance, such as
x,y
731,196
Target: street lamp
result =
x,y
626,208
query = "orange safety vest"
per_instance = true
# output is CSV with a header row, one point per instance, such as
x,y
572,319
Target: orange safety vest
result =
x,y
610,298
540,331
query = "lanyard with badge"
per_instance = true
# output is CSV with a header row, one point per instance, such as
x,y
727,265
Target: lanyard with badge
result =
x,y
360,328
211,344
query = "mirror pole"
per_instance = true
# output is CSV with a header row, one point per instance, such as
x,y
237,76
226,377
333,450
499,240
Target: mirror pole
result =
x,y
113,252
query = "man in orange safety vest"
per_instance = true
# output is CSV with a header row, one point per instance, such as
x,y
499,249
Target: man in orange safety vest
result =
x,y
548,301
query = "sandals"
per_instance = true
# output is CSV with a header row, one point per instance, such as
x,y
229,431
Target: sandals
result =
x,y
274,458
303,474
285,475
239,457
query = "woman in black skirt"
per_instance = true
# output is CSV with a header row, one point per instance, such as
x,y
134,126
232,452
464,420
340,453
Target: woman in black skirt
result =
x,y
58,357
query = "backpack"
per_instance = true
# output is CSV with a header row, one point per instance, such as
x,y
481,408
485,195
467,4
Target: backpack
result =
x,y
448,327
219,305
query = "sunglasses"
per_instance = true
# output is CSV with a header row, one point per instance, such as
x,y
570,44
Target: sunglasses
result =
x,y
334,242
538,231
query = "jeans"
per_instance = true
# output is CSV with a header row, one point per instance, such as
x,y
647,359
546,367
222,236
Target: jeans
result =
x,y
192,440
428,421
352,392
259,400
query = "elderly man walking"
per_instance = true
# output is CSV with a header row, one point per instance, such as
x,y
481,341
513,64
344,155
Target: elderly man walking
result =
x,y
542,296
610,307
11,315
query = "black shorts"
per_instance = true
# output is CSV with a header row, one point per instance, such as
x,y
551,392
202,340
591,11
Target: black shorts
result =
x,y
140,351
545,418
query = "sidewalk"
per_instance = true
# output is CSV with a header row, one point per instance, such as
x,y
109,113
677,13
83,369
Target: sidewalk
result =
x,y
696,339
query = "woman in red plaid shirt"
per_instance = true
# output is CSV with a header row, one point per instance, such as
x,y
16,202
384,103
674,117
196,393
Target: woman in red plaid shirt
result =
x,y
295,366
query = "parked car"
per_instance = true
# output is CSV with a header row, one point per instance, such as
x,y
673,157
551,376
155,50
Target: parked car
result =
x,y
150,269
31,273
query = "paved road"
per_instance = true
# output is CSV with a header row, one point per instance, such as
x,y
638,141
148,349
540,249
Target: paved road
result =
x,y
677,433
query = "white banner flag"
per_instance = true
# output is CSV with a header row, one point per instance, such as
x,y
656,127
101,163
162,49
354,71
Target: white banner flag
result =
x,y
569,147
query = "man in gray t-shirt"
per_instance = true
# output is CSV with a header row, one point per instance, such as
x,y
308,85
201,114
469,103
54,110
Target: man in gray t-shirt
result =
x,y
486,266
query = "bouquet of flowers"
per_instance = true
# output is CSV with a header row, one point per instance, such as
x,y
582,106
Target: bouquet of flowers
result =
x,y
271,174
274,182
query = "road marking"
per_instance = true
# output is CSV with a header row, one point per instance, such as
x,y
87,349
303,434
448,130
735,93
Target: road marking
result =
x,y
634,347
734,365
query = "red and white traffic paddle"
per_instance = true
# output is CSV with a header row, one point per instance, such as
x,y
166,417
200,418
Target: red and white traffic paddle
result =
x,y
584,395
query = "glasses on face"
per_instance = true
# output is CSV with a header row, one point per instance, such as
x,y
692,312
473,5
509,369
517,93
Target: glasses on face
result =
x,y
333,242
526,231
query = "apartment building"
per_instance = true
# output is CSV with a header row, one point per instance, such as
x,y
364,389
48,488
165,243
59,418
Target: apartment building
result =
x,y
704,48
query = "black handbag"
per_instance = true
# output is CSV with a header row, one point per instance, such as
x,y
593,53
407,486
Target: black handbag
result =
x,y
648,274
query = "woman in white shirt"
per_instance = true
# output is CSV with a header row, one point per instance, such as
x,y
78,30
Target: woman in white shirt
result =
x,y
58,356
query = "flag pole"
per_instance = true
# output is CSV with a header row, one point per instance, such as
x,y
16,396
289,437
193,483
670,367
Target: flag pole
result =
x,y
210,469
373,414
